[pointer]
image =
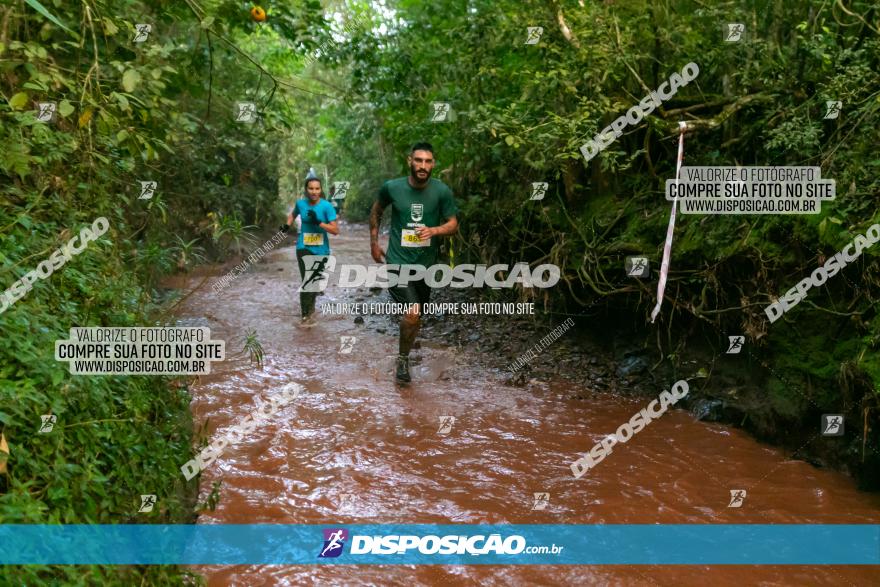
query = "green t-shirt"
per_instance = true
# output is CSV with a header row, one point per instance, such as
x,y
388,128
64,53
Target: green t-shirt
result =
x,y
411,209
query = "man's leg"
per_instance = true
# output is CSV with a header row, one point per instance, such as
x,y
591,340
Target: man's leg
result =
x,y
416,294
409,329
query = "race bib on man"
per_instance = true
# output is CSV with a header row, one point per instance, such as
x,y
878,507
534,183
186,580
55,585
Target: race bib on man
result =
x,y
410,238
313,239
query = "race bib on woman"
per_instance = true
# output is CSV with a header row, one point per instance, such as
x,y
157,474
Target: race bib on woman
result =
x,y
313,239
410,238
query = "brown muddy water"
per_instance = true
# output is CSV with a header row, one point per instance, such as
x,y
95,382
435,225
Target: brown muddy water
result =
x,y
355,448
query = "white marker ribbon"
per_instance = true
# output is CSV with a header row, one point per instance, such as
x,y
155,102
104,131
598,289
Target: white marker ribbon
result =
x,y
667,247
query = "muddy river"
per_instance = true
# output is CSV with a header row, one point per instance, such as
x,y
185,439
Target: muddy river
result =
x,y
355,448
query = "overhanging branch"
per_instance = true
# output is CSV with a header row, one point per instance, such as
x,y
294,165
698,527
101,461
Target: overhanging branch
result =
x,y
700,124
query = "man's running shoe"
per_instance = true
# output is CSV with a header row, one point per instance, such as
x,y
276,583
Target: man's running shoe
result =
x,y
403,369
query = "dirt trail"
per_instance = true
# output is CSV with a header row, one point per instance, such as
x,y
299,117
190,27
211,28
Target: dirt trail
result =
x,y
354,448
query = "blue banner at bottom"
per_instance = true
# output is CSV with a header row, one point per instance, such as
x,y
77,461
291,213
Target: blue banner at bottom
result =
x,y
509,544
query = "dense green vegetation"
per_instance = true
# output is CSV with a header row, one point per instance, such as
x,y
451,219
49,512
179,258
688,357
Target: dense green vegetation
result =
x,y
159,110
350,100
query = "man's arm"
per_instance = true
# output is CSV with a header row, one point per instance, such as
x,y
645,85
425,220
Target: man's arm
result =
x,y
448,228
330,227
448,211
375,219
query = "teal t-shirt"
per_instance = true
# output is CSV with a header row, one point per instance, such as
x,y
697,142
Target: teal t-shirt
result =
x,y
312,237
410,209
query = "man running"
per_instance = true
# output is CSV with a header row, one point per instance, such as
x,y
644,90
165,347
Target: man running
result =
x,y
318,218
421,208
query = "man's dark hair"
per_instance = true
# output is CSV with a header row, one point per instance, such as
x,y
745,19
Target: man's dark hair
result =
x,y
422,146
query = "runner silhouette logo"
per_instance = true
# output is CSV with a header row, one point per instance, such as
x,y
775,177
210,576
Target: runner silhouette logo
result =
x,y
832,424
46,111
441,111
147,503
245,112
47,423
142,32
737,497
832,109
534,34
541,501
446,423
317,273
148,188
346,344
340,188
637,267
735,344
735,32
539,188
334,542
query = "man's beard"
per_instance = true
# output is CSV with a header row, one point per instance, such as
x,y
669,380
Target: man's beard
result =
x,y
417,178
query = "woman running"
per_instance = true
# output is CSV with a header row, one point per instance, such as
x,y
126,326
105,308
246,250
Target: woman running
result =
x,y
318,217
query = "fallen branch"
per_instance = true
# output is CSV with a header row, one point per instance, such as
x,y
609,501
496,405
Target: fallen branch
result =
x,y
671,126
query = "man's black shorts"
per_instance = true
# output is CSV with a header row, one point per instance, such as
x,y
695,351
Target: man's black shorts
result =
x,y
414,292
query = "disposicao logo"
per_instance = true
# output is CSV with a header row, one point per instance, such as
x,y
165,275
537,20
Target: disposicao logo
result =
x,y
334,542
320,268
432,544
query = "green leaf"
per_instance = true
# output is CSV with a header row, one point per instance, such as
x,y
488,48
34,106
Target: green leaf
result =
x,y
42,10
123,101
130,80
32,85
17,159
19,100
206,24
508,139
110,27
121,135
65,108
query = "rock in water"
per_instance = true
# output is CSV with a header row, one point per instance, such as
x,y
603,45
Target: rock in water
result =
x,y
630,365
707,409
